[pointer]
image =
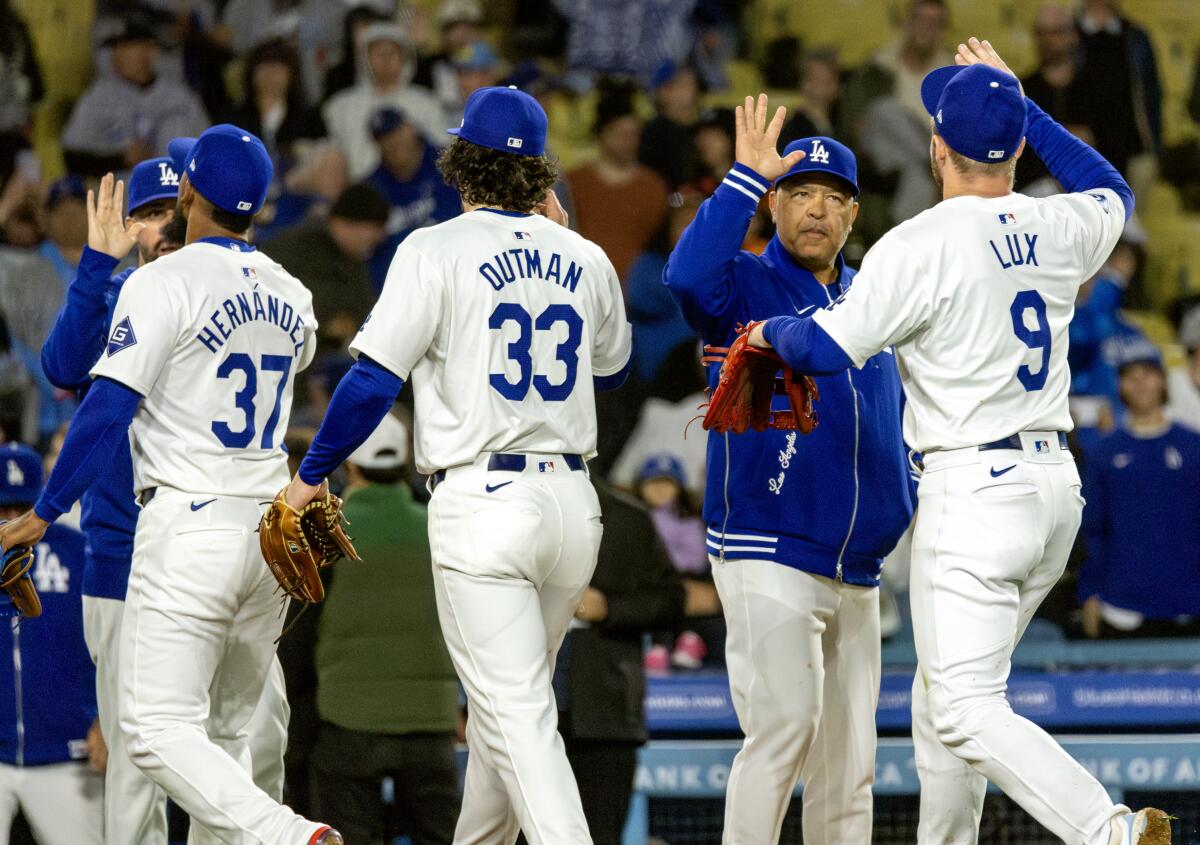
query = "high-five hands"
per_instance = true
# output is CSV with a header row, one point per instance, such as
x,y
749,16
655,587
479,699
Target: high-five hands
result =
x,y
106,219
757,142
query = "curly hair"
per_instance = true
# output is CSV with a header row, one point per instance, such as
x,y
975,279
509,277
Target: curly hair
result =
x,y
502,180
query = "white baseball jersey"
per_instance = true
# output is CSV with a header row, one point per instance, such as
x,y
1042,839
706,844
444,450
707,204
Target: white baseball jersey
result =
x,y
502,321
976,294
212,336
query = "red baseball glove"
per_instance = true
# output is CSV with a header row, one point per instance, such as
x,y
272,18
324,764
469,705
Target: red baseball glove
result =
x,y
750,380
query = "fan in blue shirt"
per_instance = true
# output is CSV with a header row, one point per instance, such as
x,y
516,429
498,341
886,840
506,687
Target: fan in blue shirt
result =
x,y
408,178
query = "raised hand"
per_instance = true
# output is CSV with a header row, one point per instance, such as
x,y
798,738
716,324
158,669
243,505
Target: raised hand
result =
x,y
106,219
550,207
976,52
757,141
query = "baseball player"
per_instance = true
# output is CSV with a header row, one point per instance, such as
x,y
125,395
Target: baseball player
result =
x,y
204,346
135,808
797,525
976,295
49,699
506,322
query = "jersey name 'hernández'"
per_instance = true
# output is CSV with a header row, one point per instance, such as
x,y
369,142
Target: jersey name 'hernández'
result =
x,y
502,320
212,337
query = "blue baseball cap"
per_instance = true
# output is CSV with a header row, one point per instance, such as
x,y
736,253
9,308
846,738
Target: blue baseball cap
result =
x,y
20,474
504,119
153,179
662,465
178,149
230,168
978,110
823,155
385,120
68,187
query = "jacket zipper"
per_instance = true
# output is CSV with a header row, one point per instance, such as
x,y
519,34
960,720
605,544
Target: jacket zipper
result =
x,y
857,435
16,635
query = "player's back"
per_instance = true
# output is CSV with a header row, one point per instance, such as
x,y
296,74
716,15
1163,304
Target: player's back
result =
x,y
990,287
212,336
515,316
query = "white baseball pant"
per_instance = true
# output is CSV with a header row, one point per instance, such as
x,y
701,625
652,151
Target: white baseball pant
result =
x,y
803,658
134,806
197,643
510,567
62,802
992,535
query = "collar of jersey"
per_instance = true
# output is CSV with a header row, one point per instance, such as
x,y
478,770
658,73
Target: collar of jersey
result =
x,y
228,243
505,213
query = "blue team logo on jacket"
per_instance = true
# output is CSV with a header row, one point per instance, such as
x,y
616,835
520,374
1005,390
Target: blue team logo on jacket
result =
x,y
122,337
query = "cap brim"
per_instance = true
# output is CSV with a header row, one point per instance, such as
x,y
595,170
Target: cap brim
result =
x,y
800,170
179,149
455,131
160,195
935,83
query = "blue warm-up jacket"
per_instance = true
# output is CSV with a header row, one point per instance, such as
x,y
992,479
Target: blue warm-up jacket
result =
x,y
833,502
48,681
109,511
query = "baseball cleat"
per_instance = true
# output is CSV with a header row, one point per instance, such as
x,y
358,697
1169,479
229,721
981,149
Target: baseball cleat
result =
x,y
326,836
1146,827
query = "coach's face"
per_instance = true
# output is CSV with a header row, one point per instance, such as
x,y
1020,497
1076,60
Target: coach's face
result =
x,y
813,215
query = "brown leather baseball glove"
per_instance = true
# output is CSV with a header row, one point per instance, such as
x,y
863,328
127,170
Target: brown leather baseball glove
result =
x,y
17,582
298,543
750,380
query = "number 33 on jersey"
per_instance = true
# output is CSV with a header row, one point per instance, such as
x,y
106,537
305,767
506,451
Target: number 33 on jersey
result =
x,y
212,337
503,321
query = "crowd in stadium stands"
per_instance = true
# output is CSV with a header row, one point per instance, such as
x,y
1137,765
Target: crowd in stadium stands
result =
x,y
352,101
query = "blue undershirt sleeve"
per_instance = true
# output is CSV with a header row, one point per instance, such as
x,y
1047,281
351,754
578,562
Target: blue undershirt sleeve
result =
x,y
77,339
615,380
362,398
1073,163
102,420
805,346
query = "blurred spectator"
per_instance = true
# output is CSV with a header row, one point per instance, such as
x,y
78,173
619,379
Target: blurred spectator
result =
x,y
409,180
475,66
820,88
313,25
713,137
386,690
306,190
666,145
626,37
598,679
885,120
1119,71
345,73
1100,337
1142,482
129,115
33,285
658,324
716,43
330,258
273,106
385,82
1052,86
1183,384
461,23
620,204
48,706
20,87
662,489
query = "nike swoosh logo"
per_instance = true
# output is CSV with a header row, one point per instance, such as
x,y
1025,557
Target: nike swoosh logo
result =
x,y
493,488
997,473
197,507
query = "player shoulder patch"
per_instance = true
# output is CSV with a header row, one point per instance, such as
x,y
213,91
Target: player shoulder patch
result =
x,y
122,337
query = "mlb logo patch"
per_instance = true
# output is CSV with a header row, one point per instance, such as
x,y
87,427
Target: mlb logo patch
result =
x,y
995,154
1008,218
516,143
523,236
250,274
545,466
1041,447
122,337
